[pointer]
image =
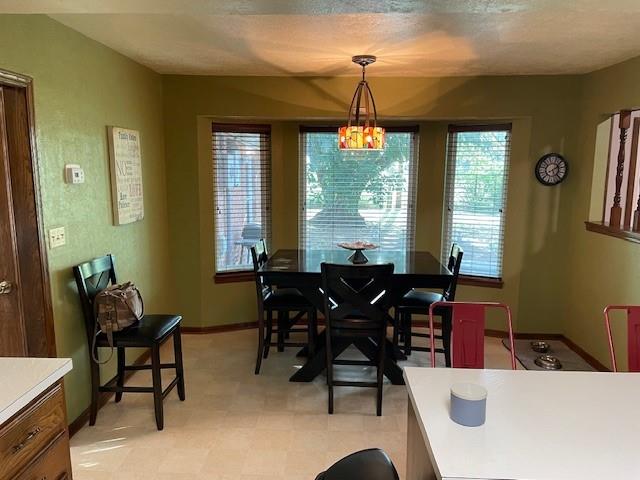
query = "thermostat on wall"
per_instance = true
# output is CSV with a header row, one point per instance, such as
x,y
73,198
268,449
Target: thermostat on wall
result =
x,y
73,174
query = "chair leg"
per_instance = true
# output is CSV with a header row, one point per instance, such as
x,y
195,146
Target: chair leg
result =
x,y
312,325
446,338
267,341
157,385
329,371
177,353
406,332
95,392
120,381
380,372
261,350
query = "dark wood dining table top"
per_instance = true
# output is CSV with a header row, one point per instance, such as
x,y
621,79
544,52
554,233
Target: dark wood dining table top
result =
x,y
299,261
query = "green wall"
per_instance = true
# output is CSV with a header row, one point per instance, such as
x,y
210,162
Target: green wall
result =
x,y
81,87
601,270
541,109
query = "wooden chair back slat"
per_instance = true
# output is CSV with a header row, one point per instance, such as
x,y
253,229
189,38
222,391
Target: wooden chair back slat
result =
x,y
91,278
454,264
356,297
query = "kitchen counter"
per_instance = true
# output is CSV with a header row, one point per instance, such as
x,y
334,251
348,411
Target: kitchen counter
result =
x,y
540,425
24,379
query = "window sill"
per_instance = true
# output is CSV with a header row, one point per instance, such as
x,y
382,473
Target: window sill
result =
x,y
605,229
480,281
234,277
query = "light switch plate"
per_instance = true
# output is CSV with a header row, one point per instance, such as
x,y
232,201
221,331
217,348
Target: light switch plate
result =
x,y
57,237
73,174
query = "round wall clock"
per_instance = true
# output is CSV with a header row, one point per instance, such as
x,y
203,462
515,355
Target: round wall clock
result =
x,y
551,169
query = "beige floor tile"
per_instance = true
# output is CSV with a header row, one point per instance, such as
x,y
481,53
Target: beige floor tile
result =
x,y
235,425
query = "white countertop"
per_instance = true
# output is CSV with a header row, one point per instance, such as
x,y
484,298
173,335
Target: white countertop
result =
x,y
23,379
540,425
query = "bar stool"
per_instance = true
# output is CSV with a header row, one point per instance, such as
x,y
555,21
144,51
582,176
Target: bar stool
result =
x,y
467,332
633,335
372,464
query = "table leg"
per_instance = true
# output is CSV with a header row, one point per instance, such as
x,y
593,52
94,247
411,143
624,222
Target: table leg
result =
x,y
370,350
317,363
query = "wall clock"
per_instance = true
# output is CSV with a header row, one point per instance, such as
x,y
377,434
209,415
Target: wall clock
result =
x,y
551,169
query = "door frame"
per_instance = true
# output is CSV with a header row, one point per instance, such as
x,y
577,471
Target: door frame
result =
x,y
26,82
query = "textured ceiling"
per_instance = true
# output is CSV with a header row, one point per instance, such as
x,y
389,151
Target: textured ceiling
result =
x,y
313,37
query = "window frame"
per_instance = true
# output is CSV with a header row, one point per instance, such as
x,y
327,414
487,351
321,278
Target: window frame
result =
x,y
466,278
412,181
242,275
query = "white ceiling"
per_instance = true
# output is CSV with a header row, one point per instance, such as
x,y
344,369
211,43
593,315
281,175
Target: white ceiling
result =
x,y
314,37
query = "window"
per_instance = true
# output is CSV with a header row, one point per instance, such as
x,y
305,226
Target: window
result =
x,y
242,192
348,195
475,196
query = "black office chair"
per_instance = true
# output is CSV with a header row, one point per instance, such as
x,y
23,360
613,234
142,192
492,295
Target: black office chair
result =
x,y
356,305
417,302
371,464
284,301
150,332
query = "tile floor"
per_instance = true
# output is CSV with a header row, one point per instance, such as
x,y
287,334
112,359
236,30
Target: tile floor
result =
x,y
238,426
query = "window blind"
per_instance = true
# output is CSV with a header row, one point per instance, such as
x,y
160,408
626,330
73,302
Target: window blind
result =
x,y
349,195
476,196
242,192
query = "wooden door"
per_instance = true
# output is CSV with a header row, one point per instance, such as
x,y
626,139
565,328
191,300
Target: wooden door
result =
x,y
12,331
26,321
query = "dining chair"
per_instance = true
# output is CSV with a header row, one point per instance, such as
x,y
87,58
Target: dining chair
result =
x,y
284,301
467,332
151,332
372,464
416,302
356,305
633,335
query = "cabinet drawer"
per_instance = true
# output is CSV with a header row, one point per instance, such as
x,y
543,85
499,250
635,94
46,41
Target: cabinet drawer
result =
x,y
53,464
31,431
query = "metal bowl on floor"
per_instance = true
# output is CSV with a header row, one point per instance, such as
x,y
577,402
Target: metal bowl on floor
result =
x,y
540,346
548,362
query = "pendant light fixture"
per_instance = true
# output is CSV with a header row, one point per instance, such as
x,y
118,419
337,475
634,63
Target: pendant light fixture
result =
x,y
362,131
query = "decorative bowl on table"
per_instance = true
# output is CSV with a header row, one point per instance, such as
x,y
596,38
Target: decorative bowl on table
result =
x,y
357,257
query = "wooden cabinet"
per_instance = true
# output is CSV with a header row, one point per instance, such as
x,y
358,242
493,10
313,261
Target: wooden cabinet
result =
x,y
34,443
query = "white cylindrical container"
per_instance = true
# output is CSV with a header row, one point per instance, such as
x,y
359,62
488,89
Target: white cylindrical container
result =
x,y
468,404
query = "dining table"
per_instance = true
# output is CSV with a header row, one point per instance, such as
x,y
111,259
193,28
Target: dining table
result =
x,y
300,269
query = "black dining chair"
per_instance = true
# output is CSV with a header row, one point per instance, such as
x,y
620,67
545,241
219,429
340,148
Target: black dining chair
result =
x,y
416,302
370,464
356,305
284,301
150,332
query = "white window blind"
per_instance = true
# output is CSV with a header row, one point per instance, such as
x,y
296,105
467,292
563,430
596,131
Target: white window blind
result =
x,y
348,196
242,192
476,195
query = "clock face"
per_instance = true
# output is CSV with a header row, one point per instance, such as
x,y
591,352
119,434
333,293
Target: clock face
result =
x,y
551,169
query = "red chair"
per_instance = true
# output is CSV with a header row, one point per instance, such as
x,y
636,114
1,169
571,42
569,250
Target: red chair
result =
x,y
467,333
633,335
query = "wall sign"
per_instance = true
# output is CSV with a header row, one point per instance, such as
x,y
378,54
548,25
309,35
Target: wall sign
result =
x,y
125,163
